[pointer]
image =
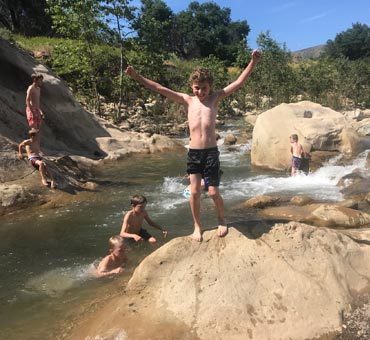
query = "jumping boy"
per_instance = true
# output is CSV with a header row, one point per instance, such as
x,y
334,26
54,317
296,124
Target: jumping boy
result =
x,y
32,146
112,263
133,221
203,156
33,111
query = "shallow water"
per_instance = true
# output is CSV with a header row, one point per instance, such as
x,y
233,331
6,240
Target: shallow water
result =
x,y
46,258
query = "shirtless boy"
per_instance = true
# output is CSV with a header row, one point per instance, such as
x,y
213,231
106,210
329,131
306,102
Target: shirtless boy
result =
x,y
112,263
32,146
133,221
297,151
33,111
203,155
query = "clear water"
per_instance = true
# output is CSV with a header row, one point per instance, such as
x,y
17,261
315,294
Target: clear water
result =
x,y
46,255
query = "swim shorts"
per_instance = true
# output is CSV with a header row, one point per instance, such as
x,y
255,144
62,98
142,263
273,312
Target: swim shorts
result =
x,y
33,117
205,162
33,161
296,162
144,234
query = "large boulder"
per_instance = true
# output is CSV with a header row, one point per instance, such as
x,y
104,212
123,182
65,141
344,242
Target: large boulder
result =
x,y
293,282
318,128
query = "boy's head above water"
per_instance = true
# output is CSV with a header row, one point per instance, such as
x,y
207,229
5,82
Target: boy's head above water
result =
x,y
138,200
116,244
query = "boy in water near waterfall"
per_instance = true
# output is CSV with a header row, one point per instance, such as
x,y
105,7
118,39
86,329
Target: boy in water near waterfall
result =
x,y
133,221
203,156
299,156
112,263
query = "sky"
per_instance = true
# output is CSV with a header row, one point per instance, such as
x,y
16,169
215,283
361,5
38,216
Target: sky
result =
x,y
297,23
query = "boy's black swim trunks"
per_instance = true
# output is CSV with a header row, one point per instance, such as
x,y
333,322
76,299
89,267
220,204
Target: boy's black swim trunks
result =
x,y
205,162
144,234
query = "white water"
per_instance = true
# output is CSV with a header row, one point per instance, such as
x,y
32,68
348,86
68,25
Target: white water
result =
x,y
319,185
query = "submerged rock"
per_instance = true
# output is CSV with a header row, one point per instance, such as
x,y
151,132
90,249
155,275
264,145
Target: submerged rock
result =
x,y
294,281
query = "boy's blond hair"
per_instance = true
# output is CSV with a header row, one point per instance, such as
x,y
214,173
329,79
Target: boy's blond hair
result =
x,y
201,75
115,241
138,199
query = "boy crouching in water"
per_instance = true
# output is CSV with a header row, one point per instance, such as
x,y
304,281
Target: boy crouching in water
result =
x,y
112,263
32,146
133,221
203,157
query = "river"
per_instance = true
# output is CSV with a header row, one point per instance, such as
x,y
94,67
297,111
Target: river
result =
x,y
46,258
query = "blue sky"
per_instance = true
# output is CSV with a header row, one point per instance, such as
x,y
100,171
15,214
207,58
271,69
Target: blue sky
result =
x,y
298,23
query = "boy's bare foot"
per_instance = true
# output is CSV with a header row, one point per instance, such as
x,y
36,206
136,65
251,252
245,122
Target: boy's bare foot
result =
x,y
44,182
222,230
53,185
196,235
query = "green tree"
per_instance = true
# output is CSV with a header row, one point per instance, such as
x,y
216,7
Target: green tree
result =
x,y
353,43
119,14
27,17
154,25
206,29
274,77
81,20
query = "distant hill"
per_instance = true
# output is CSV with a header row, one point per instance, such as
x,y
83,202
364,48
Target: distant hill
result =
x,y
309,53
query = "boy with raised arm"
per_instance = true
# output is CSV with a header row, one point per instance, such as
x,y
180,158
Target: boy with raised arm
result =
x,y
203,156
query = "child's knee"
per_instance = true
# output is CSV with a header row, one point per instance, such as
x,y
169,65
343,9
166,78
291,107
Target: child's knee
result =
x,y
213,192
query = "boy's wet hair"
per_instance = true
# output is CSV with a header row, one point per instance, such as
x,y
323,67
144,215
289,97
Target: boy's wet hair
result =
x,y
201,75
115,241
138,199
33,132
35,76
294,137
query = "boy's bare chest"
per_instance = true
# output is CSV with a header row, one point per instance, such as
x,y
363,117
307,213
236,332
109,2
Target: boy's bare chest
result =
x,y
136,220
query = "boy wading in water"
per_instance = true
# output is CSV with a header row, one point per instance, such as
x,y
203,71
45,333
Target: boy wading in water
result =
x,y
203,156
298,153
33,111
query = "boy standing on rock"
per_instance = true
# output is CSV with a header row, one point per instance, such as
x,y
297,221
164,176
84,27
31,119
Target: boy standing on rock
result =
x,y
33,111
203,156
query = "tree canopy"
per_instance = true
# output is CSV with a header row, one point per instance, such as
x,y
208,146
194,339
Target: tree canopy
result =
x,y
354,43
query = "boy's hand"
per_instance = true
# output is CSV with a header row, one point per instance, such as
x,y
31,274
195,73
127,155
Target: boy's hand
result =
x,y
137,238
20,156
256,55
130,71
164,232
118,270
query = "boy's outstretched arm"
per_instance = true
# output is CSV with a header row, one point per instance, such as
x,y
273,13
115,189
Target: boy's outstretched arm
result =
x,y
155,225
156,87
238,83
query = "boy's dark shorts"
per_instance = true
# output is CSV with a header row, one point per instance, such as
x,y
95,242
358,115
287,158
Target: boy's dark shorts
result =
x,y
205,162
144,234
